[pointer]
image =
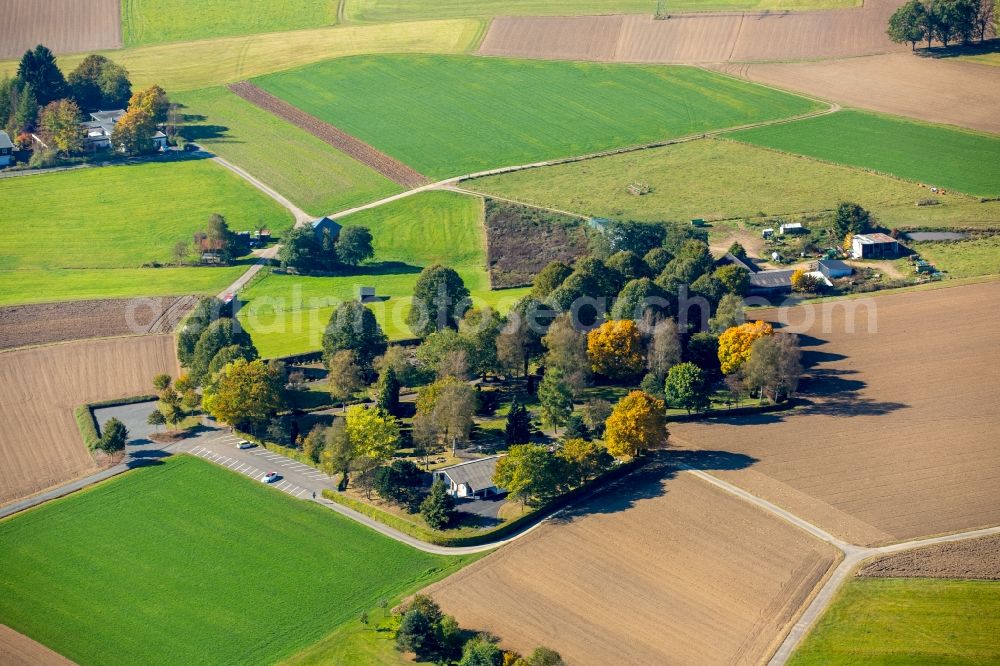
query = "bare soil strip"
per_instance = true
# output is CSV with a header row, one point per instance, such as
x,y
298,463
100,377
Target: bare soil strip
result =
x,y
697,38
16,649
899,439
45,323
975,559
387,166
40,444
964,93
663,569
65,26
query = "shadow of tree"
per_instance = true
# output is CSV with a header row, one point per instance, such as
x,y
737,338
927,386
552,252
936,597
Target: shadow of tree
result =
x,y
958,50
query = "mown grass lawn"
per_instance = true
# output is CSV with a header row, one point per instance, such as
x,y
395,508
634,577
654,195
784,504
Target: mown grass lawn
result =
x,y
451,115
188,563
718,179
69,232
315,176
287,314
156,21
410,10
907,621
931,154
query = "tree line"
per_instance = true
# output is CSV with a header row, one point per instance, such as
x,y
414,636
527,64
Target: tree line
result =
x,y
944,21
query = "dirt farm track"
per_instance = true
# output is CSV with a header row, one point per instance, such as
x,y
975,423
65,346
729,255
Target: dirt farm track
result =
x,y
900,440
40,445
662,569
65,26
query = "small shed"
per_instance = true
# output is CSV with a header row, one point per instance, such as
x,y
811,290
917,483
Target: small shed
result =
x,y
833,268
875,246
791,228
697,222
366,294
325,225
767,234
470,479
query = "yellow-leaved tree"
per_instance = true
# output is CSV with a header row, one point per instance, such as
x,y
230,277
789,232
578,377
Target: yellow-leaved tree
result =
x,y
615,349
637,424
245,394
374,436
735,343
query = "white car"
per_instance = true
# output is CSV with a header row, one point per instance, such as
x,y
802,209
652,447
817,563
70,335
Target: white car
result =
x,y
244,444
270,477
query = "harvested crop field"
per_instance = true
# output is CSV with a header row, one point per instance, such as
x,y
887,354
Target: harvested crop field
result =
x,y
696,38
964,93
44,323
342,141
898,440
40,445
65,26
969,559
665,569
18,650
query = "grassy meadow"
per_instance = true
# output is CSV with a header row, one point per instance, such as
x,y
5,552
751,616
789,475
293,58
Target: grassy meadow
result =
x,y
157,21
212,62
245,574
75,233
315,176
718,179
287,314
931,154
451,115
412,10
907,621
963,259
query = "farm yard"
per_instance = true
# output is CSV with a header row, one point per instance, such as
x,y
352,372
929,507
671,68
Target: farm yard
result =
x,y
866,458
436,114
40,445
965,94
157,21
913,620
123,217
212,62
58,24
718,179
287,314
706,578
963,161
248,136
252,560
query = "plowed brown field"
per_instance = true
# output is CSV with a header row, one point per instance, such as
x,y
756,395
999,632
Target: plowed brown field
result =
x,y
18,650
697,38
661,570
40,445
65,26
900,440
963,93
973,558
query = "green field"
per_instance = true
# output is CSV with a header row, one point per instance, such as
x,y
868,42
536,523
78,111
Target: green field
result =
x,y
314,176
69,229
907,621
410,10
717,179
286,314
156,21
211,62
451,115
931,154
967,258
185,562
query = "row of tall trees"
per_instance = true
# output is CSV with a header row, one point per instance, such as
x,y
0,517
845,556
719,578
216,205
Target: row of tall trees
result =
x,y
944,21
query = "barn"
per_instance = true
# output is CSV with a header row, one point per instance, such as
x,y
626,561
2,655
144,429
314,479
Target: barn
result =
x,y
874,246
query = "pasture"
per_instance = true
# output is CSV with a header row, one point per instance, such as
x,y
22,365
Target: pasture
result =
x,y
664,569
287,314
717,179
451,115
156,21
40,445
912,621
117,573
60,246
247,136
968,258
896,439
933,155
213,62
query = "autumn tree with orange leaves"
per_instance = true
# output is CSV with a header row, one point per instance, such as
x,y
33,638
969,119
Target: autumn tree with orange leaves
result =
x,y
637,424
735,344
615,349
